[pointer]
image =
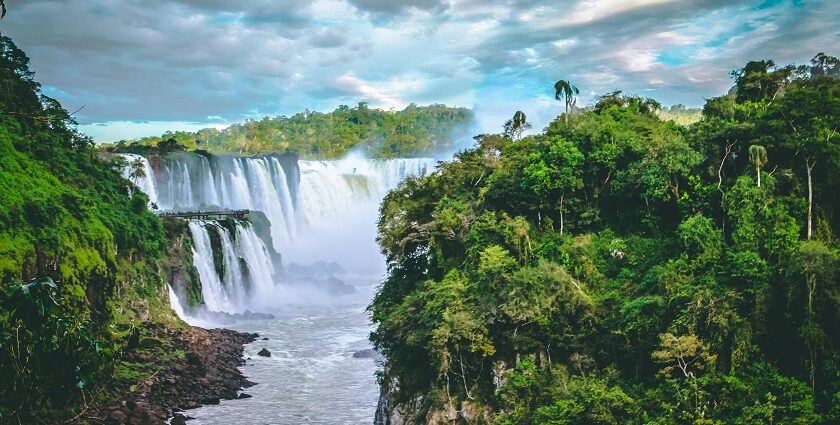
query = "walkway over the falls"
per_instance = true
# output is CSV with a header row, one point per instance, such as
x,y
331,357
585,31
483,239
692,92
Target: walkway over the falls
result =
x,y
206,215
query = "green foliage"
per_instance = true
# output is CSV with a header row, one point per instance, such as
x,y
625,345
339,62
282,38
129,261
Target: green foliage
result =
x,y
78,232
626,269
413,131
515,126
681,115
588,400
50,354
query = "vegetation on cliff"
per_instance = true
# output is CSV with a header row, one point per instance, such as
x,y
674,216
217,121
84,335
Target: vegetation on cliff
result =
x,y
413,131
621,269
82,261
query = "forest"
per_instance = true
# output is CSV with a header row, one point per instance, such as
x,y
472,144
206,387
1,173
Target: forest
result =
x,y
617,268
413,131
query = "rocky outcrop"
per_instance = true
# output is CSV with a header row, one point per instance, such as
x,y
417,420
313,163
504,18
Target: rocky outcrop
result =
x,y
386,413
201,368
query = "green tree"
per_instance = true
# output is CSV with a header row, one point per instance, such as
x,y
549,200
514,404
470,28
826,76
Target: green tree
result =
x,y
760,81
823,65
555,173
688,356
807,119
515,126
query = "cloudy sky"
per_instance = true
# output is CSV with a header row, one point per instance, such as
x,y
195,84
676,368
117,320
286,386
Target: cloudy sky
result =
x,y
143,66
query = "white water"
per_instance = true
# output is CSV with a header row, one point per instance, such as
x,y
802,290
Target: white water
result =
x,y
329,189
243,283
311,376
192,182
175,303
314,195
326,215
317,211
146,182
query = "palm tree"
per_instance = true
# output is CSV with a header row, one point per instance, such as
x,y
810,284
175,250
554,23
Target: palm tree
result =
x,y
136,170
758,156
565,90
515,126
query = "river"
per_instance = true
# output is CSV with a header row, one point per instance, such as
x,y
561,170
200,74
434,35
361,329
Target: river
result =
x,y
311,376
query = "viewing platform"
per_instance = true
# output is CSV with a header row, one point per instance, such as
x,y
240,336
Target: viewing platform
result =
x,y
206,215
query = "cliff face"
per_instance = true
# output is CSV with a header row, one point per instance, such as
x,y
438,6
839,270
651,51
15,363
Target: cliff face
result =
x,y
178,263
421,411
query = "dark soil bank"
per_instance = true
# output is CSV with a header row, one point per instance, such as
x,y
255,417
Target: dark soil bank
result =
x,y
188,368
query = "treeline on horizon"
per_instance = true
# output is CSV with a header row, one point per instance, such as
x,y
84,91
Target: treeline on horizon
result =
x,y
617,268
413,131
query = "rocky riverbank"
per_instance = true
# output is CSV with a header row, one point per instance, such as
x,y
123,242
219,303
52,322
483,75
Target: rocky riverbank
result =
x,y
170,370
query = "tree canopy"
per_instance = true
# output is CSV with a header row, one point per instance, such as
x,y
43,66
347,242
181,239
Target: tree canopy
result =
x,y
621,269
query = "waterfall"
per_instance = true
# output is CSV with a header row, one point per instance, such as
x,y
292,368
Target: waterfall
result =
x,y
329,188
235,268
191,182
314,211
175,303
146,181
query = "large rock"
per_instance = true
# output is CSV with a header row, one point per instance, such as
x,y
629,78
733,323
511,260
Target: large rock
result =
x,y
264,352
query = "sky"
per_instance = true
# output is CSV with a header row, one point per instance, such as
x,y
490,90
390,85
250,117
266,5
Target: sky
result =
x,y
141,67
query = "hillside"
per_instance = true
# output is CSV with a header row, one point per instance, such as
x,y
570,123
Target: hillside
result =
x,y
622,269
85,323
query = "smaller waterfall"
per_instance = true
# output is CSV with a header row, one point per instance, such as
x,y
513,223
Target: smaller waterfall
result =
x,y
234,267
175,304
145,181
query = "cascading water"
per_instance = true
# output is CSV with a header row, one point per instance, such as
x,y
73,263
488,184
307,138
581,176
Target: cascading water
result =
x,y
316,211
321,215
236,272
329,188
141,174
192,182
